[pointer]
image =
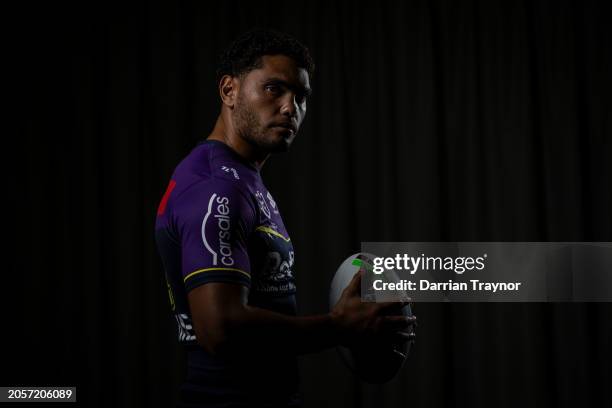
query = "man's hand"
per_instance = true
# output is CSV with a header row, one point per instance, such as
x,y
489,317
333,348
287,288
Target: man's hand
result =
x,y
225,323
359,321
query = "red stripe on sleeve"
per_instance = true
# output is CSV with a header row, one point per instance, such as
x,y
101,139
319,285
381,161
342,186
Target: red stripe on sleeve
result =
x,y
164,200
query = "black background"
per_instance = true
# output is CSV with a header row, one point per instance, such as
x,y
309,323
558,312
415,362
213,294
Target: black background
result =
x,y
430,121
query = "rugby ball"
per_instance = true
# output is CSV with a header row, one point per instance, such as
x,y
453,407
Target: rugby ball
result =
x,y
374,363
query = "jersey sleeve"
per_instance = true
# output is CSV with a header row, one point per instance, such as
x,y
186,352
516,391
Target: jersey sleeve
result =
x,y
214,219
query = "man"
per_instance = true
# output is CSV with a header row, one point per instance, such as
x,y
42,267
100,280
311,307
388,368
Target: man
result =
x,y
227,256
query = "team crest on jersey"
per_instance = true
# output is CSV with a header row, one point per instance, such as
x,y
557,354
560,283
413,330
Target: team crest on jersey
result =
x,y
262,203
272,203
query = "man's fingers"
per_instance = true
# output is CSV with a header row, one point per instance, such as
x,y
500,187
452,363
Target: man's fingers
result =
x,y
390,306
403,336
354,285
398,322
406,335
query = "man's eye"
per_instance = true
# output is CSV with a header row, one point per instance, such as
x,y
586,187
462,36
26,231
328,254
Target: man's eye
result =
x,y
272,88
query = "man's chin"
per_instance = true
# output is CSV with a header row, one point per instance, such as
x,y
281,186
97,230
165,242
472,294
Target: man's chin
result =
x,y
280,145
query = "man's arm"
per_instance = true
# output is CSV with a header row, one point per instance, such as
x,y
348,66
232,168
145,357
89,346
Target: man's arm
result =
x,y
224,323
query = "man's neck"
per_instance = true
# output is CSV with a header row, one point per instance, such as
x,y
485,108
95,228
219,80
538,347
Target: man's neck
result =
x,y
225,133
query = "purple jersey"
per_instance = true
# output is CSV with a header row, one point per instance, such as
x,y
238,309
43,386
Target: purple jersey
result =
x,y
217,222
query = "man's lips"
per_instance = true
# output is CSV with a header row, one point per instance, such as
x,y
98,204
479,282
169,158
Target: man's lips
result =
x,y
288,126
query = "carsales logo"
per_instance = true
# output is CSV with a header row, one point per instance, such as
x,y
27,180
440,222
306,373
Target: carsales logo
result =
x,y
219,208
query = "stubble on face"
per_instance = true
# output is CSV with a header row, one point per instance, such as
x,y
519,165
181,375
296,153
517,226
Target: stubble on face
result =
x,y
249,128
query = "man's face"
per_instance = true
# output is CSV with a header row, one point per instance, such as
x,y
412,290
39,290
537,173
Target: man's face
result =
x,y
271,103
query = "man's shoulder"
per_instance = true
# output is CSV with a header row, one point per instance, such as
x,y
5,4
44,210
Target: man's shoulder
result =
x,y
205,187
206,169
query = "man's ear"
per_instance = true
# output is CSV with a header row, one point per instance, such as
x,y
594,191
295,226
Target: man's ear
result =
x,y
228,90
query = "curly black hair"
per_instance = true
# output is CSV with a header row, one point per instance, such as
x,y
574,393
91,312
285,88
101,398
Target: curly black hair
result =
x,y
244,54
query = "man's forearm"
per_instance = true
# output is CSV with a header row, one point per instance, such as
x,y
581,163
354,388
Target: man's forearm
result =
x,y
270,330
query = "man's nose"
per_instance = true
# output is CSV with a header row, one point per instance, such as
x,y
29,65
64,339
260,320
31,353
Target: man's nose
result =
x,y
290,106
